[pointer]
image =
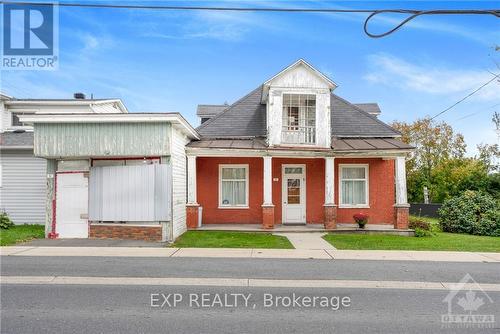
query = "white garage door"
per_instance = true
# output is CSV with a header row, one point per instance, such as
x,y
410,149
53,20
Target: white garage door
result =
x,y
130,193
71,205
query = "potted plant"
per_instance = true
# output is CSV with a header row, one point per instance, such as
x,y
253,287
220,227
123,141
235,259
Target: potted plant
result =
x,y
361,219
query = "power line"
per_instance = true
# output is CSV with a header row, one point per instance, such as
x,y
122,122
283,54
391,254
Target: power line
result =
x,y
477,112
466,97
413,13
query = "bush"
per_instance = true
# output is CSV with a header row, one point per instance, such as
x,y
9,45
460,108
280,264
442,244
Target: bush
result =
x,y
5,221
416,223
472,212
420,232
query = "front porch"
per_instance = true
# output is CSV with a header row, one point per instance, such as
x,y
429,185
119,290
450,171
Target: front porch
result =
x,y
312,228
304,191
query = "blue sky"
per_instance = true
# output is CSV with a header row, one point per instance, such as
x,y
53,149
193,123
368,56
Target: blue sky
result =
x,y
173,61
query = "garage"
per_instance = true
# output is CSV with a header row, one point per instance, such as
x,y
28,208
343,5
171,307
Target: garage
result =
x,y
114,175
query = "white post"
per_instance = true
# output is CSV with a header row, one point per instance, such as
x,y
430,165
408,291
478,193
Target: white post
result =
x,y
191,171
268,181
401,198
329,181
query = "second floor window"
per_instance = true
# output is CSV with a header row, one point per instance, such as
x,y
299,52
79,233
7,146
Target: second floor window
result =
x,y
299,119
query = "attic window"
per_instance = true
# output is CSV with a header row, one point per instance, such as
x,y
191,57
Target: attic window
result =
x,y
299,119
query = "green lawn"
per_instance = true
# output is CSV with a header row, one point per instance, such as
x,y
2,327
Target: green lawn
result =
x,y
439,242
20,233
220,239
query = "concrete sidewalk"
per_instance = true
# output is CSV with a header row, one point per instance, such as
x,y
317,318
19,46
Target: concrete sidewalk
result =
x,y
327,254
307,240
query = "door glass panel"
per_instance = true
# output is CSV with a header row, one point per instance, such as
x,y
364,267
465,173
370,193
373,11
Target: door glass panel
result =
x,y
293,191
293,170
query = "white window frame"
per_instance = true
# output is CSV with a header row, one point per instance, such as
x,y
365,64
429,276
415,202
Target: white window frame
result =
x,y
229,206
298,120
367,183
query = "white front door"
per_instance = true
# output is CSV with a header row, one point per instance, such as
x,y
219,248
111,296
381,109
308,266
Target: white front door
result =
x,y
294,194
71,205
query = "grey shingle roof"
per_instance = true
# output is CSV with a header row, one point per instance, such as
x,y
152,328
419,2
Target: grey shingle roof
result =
x,y
371,108
210,109
247,118
244,118
351,121
12,139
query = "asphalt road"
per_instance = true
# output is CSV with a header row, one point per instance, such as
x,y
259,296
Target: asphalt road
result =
x,y
249,268
127,309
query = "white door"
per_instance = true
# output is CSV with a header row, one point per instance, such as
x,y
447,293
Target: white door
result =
x,y
71,205
294,194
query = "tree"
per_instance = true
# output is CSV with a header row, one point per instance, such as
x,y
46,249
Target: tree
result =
x,y
434,143
490,153
454,176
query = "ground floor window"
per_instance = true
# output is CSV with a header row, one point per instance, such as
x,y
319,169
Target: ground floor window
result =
x,y
353,185
233,186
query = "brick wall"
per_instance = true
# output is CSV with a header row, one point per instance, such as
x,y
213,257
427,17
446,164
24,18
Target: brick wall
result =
x,y
148,233
381,191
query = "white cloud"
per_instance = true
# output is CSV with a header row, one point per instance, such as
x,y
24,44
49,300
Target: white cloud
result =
x,y
395,72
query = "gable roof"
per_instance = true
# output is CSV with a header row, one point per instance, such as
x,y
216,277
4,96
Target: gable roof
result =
x,y
305,64
247,118
244,118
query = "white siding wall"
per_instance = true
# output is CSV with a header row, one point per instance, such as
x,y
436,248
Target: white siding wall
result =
x,y
23,187
5,117
178,160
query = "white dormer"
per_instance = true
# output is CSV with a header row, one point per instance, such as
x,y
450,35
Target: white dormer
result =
x,y
298,106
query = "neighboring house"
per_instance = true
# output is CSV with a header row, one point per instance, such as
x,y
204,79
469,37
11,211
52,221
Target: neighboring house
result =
x,y
114,175
22,176
293,152
207,111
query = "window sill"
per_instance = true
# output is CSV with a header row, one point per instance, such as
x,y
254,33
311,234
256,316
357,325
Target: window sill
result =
x,y
233,207
344,206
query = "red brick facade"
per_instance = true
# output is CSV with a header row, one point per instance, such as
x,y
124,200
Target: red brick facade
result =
x,y
136,232
401,217
268,217
192,216
381,192
330,217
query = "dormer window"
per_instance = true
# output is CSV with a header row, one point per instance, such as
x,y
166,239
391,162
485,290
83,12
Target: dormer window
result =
x,y
299,119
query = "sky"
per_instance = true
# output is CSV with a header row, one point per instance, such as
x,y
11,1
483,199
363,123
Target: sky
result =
x,y
162,61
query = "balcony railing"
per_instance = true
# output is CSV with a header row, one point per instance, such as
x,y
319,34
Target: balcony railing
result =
x,y
298,135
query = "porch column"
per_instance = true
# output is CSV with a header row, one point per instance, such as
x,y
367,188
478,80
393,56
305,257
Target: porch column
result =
x,y
267,206
192,203
330,207
401,208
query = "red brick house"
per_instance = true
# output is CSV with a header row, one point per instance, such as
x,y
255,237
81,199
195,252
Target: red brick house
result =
x,y
293,152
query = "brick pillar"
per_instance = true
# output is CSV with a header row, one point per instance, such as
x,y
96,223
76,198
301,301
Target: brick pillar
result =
x,y
192,216
330,216
268,217
401,215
